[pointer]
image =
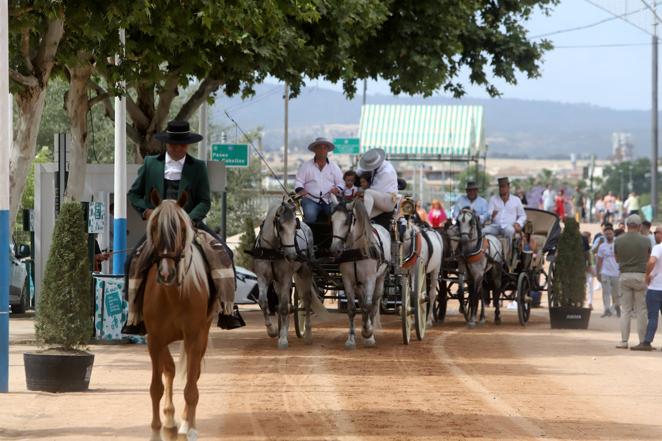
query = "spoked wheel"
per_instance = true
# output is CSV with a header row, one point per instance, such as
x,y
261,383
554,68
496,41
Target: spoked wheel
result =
x,y
405,308
420,300
442,302
299,314
523,298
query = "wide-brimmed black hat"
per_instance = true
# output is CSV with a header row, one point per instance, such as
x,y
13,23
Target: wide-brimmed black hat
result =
x,y
178,132
471,185
503,181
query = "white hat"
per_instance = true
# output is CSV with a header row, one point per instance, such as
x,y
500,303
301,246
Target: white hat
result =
x,y
321,141
633,219
372,159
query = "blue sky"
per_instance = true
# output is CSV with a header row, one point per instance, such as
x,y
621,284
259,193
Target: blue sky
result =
x,y
616,77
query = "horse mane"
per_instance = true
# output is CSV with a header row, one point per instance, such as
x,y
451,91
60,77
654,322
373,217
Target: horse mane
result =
x,y
363,222
171,221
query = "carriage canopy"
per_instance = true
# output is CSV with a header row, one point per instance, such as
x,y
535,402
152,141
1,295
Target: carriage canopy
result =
x,y
423,131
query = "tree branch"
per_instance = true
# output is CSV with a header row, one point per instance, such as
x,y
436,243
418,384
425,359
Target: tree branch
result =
x,y
137,115
166,96
45,58
97,99
28,81
206,88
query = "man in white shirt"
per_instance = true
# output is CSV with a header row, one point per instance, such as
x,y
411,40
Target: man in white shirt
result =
x,y
507,214
317,179
382,194
472,200
548,198
654,293
608,272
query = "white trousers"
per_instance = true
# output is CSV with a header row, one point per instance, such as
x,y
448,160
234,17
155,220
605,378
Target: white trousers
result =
x,y
378,202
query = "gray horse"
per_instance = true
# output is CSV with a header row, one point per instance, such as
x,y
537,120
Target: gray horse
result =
x,y
479,255
364,275
282,250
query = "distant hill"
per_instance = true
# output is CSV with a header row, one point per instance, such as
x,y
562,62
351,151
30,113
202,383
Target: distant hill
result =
x,y
518,128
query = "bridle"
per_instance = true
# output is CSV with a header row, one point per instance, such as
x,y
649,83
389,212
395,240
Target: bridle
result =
x,y
349,221
276,226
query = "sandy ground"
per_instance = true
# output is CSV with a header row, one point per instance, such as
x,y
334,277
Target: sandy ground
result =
x,y
492,383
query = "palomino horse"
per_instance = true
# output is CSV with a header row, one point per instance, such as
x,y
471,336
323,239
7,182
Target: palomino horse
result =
x,y
281,252
429,246
479,255
364,275
177,306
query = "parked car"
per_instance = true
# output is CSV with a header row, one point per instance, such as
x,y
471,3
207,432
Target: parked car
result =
x,y
246,291
19,285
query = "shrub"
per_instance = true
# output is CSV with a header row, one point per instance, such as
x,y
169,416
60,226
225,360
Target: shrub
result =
x,y
569,278
246,242
64,312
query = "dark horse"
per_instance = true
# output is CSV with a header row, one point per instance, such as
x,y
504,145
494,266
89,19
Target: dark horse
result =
x,y
176,306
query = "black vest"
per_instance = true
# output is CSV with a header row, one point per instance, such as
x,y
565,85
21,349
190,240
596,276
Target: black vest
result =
x,y
171,189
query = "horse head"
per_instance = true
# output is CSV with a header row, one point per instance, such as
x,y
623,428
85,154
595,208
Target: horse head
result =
x,y
468,227
285,228
342,219
169,232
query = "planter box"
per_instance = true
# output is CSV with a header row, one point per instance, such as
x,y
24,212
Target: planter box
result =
x,y
569,318
58,371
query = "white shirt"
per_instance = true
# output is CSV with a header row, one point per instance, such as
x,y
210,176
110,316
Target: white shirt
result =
x,y
318,183
609,265
508,213
656,274
384,178
173,169
548,198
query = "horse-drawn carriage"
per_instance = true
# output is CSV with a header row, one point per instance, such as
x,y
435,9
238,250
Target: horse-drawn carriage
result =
x,y
365,264
510,276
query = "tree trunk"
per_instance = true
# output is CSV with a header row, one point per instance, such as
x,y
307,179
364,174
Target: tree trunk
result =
x,y
30,103
78,104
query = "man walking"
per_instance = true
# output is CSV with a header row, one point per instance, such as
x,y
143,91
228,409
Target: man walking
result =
x,y
653,294
608,272
632,251
548,198
316,180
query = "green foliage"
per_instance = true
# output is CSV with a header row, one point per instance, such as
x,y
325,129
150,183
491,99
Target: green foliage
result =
x,y
246,242
569,280
64,311
473,173
619,176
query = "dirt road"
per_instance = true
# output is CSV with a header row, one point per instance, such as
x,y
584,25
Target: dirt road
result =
x,y
492,383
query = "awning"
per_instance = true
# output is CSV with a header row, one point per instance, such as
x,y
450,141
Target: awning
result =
x,y
422,131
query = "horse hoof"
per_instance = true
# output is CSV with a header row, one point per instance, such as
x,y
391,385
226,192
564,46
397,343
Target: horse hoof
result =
x,y
369,342
192,435
350,345
272,331
366,333
483,321
156,436
471,325
429,324
282,345
497,321
308,339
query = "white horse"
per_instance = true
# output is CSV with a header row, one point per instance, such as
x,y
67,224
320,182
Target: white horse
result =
x,y
364,275
282,249
427,245
479,256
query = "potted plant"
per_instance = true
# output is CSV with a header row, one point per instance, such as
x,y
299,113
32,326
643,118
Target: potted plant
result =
x,y
568,283
64,313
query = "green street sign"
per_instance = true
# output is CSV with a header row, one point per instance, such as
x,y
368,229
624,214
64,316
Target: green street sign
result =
x,y
346,146
233,155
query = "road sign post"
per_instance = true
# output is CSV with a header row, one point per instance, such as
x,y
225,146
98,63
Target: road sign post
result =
x,y
346,146
233,155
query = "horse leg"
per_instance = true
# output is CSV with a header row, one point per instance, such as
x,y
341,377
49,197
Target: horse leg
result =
x,y
496,277
368,312
481,297
263,285
351,313
433,285
284,293
473,304
304,283
195,346
155,349
169,375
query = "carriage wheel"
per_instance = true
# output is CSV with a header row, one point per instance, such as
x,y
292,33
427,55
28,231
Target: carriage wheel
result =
x,y
420,300
523,298
405,308
442,301
299,314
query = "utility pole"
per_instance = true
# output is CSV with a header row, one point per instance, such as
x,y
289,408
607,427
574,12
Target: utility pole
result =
x,y
285,140
203,154
365,89
5,142
654,119
119,195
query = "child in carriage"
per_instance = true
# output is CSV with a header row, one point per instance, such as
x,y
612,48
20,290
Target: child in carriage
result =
x,y
350,190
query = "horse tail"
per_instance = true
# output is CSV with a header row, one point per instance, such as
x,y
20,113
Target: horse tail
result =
x,y
182,365
317,306
377,324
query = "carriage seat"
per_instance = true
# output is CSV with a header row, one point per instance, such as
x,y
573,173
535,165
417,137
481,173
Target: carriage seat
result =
x,y
540,241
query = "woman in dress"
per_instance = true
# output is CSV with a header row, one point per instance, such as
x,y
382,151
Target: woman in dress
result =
x,y
437,215
560,204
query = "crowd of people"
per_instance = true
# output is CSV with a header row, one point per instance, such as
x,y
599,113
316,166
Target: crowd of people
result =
x,y
627,263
